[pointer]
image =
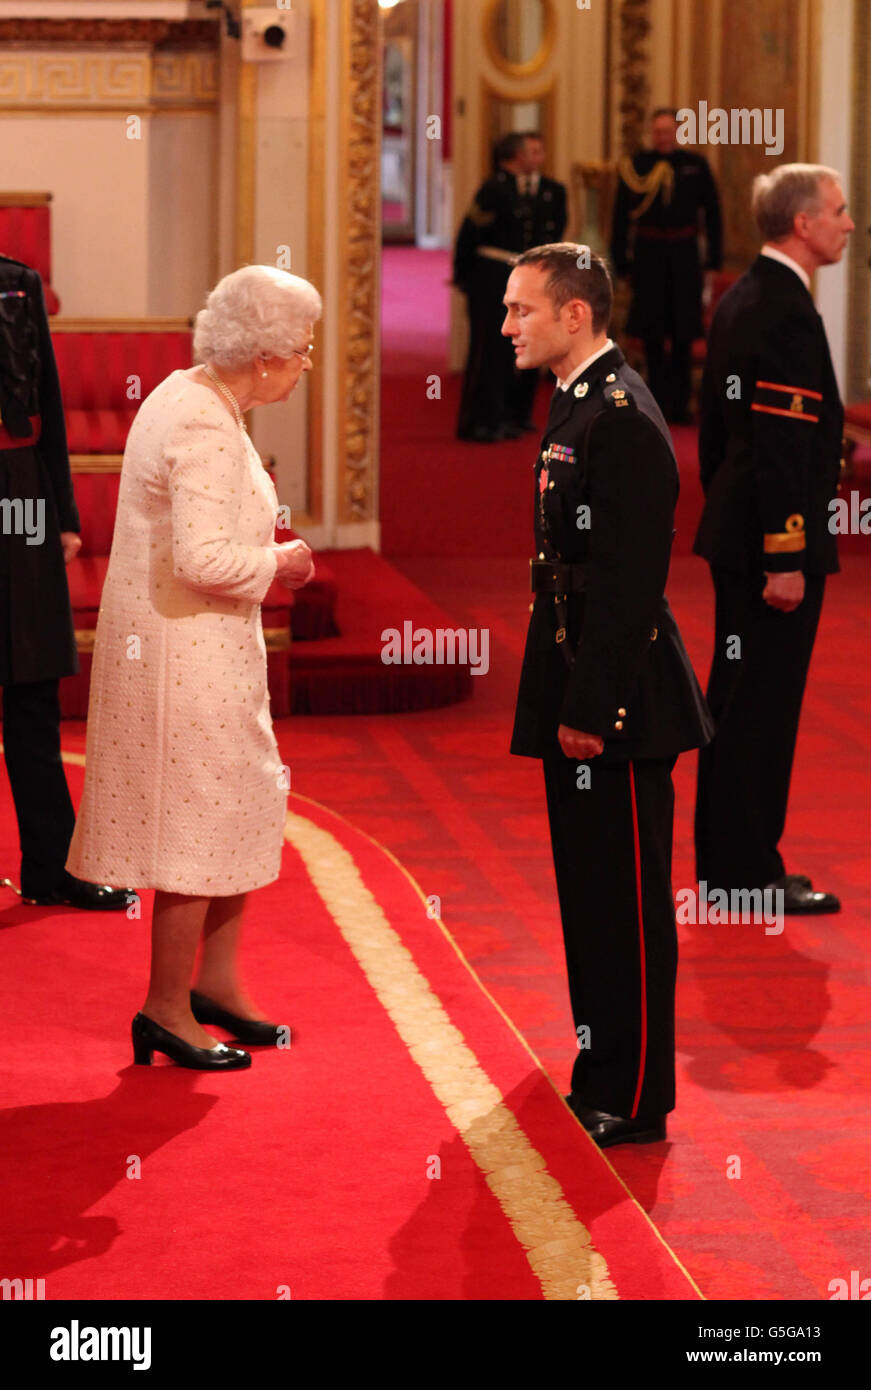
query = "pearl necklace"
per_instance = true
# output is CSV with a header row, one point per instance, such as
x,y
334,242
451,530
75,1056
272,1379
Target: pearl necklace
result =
x,y
226,393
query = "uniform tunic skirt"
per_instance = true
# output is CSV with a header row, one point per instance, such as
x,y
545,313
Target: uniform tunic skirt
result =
x,y
184,786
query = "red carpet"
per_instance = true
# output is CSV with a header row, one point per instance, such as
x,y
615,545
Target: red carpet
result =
x,y
405,1146
346,674
773,1033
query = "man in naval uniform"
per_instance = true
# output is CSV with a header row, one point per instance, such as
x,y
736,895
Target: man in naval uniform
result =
x,y
655,239
607,697
40,527
510,213
770,449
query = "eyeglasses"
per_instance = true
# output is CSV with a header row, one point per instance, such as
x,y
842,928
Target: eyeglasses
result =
x,y
305,355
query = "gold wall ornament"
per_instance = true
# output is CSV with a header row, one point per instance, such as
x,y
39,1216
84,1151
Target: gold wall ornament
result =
x,y
313,511
495,104
593,186
189,79
134,81
633,72
246,159
359,220
64,80
492,18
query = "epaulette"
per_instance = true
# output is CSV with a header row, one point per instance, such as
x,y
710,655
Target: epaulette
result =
x,y
616,393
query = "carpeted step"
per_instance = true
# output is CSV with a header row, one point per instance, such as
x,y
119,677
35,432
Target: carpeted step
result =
x,y
345,674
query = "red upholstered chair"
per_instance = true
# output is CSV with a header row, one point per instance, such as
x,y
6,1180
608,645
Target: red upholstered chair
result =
x,y
25,235
107,367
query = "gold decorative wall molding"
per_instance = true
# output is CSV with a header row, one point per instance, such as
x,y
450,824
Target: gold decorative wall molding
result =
x,y
188,79
359,221
60,80
531,65
92,82
544,90
633,72
246,157
313,512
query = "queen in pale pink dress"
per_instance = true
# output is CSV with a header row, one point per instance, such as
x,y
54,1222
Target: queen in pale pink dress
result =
x,y
185,791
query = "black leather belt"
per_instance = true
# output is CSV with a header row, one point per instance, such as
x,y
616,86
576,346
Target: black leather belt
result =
x,y
556,578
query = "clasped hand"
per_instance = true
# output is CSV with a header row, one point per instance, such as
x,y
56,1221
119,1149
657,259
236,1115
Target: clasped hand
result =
x,y
295,564
579,745
784,591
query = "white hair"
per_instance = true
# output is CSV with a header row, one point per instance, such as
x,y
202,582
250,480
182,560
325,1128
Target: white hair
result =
x,y
258,311
789,189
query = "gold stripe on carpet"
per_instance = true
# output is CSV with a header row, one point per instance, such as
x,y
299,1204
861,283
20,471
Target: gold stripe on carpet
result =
x,y
557,1245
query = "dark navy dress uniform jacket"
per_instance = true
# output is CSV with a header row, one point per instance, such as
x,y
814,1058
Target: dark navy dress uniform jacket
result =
x,y
632,682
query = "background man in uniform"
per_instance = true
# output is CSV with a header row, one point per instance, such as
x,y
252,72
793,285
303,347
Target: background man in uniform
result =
x,y
37,643
770,447
548,200
512,210
607,695
655,238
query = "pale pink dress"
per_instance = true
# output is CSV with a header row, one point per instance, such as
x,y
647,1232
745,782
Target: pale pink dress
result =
x,y
184,786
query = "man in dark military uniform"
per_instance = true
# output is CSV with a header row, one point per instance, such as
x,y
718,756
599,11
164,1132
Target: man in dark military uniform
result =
x,y
511,211
770,447
40,526
607,696
655,239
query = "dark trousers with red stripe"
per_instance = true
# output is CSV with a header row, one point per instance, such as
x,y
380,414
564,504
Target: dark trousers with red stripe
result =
x,y
46,819
755,698
612,846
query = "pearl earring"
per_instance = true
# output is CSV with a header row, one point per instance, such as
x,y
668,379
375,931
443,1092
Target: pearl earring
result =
x,y
264,374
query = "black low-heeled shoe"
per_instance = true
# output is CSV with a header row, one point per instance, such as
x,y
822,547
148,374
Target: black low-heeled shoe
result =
x,y
247,1030
149,1037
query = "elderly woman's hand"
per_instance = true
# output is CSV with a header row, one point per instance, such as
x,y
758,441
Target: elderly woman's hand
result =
x,y
295,564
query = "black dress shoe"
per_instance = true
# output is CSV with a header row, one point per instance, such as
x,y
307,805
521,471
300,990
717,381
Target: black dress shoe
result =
x,y
92,897
799,895
251,1031
607,1130
149,1037
510,431
528,426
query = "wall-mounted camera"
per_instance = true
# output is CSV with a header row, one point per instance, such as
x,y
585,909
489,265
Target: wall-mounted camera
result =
x,y
267,34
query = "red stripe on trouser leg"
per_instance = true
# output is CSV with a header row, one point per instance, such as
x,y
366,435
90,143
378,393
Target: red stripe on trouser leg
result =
x,y
642,1051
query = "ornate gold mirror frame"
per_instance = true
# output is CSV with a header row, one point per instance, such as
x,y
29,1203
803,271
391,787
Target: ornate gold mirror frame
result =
x,y
497,57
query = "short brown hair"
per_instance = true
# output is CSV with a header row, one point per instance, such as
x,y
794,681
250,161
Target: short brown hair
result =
x,y
507,147
574,272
